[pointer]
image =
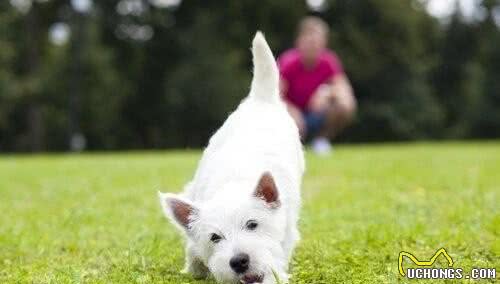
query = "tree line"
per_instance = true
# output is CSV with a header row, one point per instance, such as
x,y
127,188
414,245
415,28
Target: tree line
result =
x,y
133,74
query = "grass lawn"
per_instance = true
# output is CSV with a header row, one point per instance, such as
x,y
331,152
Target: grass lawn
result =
x,y
95,218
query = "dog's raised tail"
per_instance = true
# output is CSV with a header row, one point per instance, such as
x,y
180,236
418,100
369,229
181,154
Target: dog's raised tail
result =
x,y
265,83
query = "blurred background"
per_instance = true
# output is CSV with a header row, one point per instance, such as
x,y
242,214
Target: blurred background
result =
x,y
141,74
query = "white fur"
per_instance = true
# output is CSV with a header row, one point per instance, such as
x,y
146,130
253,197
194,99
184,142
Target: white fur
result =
x,y
259,136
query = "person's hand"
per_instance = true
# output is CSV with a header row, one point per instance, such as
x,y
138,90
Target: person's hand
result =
x,y
335,90
321,99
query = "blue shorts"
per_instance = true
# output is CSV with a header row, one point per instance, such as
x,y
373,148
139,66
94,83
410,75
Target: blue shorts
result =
x,y
314,122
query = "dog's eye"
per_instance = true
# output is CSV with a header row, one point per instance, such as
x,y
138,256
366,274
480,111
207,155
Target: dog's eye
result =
x,y
252,225
214,238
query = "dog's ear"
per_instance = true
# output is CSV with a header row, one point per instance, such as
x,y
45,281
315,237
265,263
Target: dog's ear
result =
x,y
180,211
266,190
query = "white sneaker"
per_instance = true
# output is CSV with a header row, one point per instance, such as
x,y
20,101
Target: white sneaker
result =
x,y
321,146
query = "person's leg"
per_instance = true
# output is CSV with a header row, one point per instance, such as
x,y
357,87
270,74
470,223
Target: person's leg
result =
x,y
315,121
334,113
338,116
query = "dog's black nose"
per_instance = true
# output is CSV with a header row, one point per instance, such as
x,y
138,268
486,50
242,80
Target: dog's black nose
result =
x,y
239,263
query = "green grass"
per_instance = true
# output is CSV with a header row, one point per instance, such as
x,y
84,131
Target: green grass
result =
x,y
95,218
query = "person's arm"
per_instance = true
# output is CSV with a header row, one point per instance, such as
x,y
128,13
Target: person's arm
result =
x,y
283,87
336,89
294,112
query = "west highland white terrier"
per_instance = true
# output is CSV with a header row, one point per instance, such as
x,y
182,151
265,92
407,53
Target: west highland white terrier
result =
x,y
240,211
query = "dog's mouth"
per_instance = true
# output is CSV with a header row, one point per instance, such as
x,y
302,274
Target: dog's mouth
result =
x,y
251,278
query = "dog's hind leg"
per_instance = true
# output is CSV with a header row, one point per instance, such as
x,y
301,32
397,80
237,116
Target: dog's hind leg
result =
x,y
194,265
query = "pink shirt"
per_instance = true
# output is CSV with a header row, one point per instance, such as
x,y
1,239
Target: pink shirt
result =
x,y
302,82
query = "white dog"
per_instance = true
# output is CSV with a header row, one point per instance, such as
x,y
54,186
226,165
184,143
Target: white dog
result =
x,y
240,211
